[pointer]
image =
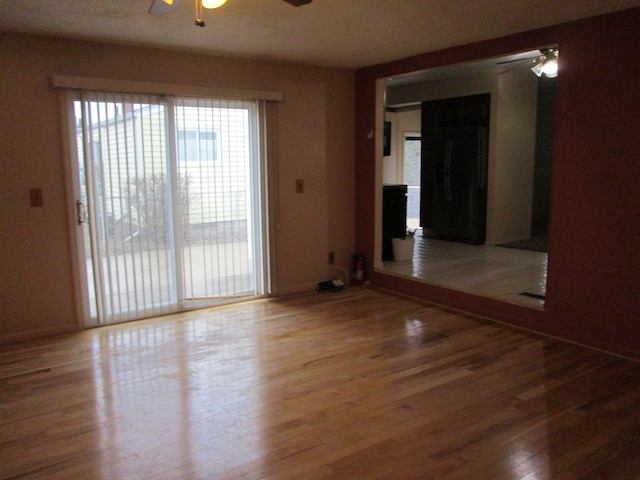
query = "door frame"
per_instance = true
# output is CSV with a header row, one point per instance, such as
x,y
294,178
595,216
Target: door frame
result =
x,y
261,200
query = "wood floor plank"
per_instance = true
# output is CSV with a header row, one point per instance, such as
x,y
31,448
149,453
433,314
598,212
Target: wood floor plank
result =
x,y
358,384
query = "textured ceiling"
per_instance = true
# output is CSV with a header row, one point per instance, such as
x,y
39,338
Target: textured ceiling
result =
x,y
337,33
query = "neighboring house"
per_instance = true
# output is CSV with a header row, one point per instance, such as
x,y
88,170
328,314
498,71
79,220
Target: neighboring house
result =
x,y
130,151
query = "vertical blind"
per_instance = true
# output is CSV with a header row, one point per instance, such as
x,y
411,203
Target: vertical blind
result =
x,y
216,188
169,186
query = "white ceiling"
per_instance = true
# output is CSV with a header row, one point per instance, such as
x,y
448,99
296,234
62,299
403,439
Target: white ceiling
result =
x,y
337,33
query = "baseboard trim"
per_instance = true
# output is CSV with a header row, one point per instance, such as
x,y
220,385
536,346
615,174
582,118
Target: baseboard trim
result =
x,y
35,334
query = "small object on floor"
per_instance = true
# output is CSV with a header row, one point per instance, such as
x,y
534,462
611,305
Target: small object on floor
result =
x,y
331,286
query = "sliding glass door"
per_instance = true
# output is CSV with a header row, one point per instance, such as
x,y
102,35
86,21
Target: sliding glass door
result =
x,y
169,203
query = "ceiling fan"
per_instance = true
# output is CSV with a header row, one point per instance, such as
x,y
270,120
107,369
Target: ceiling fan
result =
x,y
161,7
546,63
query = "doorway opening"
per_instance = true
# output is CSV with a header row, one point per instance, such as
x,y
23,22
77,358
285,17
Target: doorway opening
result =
x,y
518,174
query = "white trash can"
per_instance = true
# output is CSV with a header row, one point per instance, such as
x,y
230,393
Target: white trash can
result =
x,y
403,248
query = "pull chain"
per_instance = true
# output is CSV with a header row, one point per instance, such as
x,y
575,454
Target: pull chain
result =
x,y
199,21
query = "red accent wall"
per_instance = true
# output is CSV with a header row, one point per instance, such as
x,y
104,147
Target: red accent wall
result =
x,y
593,284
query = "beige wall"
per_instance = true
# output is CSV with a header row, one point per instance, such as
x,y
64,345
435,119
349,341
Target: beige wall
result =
x,y
314,139
510,191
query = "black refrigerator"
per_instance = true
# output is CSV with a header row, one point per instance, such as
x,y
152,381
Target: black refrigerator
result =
x,y
454,168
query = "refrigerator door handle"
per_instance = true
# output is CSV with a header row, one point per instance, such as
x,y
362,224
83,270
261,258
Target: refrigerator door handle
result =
x,y
448,159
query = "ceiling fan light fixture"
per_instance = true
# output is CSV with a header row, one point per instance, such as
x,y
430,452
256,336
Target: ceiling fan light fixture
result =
x,y
210,4
549,64
537,68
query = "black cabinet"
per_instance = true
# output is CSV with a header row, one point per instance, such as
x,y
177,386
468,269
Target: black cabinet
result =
x,y
394,217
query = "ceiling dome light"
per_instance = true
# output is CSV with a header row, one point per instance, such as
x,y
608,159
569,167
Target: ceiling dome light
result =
x,y
213,3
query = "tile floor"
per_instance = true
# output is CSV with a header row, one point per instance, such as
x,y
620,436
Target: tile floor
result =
x,y
498,272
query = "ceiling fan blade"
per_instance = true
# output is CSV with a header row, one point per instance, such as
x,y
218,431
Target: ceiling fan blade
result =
x,y
160,7
529,59
527,63
298,3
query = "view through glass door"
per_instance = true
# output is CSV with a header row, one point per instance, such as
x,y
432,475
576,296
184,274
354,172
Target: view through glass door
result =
x,y
169,209
411,177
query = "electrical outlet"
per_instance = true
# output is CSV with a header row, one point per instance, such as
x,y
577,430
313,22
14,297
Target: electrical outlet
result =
x,y
35,197
331,257
299,186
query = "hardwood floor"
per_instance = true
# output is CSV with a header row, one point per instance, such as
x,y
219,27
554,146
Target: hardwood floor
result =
x,y
353,385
